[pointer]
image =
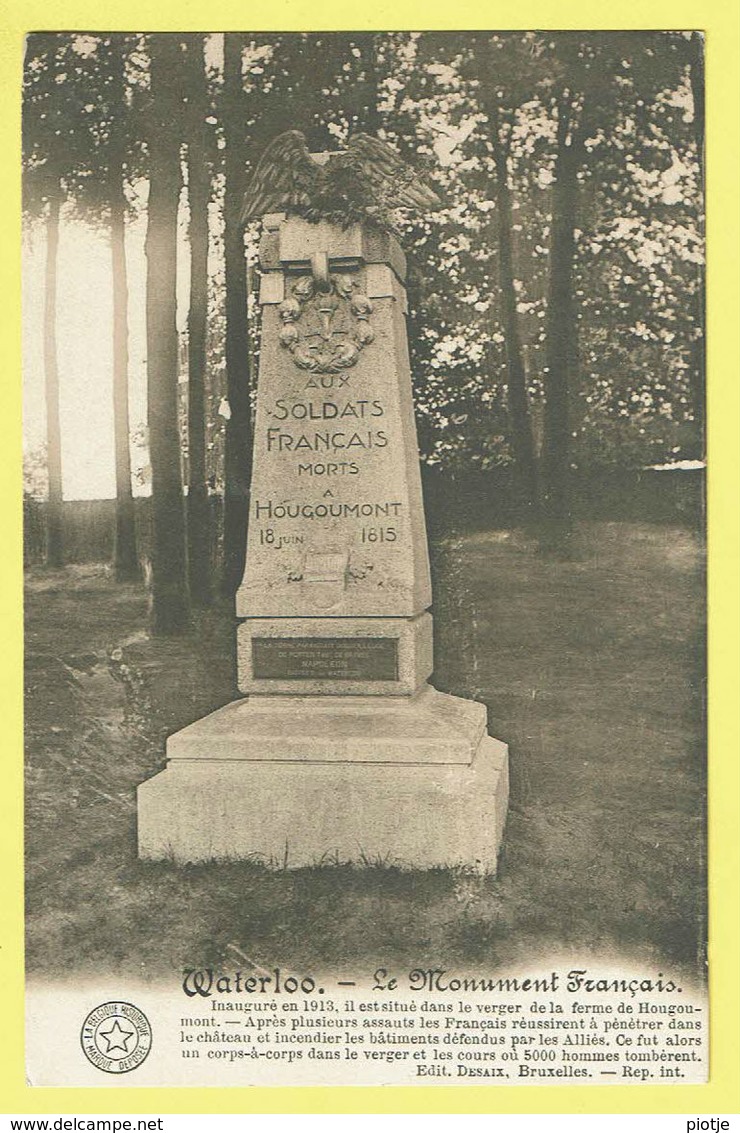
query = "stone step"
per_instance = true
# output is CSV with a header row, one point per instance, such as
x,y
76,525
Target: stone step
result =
x,y
431,727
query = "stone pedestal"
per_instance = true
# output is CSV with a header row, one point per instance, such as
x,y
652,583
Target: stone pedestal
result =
x,y
342,752
299,781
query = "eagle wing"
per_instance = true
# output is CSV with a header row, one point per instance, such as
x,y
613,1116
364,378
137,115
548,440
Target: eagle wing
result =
x,y
284,179
397,182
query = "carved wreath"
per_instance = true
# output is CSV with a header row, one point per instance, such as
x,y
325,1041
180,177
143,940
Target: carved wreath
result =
x,y
325,328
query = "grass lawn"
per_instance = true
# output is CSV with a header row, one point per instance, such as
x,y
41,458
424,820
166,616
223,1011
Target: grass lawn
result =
x,y
592,671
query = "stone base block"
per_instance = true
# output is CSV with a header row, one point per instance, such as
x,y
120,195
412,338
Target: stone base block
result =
x,y
357,787
430,727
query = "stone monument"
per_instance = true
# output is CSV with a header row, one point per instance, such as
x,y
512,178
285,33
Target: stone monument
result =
x,y
341,750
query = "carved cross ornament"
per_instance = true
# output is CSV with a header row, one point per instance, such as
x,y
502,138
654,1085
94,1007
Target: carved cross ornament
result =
x,y
326,322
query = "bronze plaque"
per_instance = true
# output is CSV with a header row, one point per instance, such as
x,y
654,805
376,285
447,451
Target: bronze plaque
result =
x,y
325,658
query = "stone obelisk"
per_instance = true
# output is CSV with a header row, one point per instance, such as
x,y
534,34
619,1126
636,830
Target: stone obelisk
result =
x,y
341,750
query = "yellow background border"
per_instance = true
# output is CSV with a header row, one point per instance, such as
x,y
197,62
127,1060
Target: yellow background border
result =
x,y
720,19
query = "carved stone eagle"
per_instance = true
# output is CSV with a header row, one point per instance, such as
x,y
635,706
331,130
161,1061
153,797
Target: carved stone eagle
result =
x,y
366,182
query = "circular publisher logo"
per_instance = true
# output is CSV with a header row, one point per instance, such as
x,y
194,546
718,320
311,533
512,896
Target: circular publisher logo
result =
x,y
116,1037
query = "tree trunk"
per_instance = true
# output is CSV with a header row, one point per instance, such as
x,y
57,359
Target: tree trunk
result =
x,y
169,606
560,330
238,441
126,562
520,424
198,510
125,559
54,534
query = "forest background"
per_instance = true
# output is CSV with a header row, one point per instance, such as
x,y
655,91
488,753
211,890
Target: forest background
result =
x,y
556,300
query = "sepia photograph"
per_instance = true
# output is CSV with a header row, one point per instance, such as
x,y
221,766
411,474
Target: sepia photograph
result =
x,y
364,557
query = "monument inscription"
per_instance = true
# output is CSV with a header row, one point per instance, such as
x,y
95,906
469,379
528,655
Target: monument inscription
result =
x,y
335,658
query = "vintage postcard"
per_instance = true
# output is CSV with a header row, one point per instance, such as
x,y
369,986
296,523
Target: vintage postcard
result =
x,y
366,434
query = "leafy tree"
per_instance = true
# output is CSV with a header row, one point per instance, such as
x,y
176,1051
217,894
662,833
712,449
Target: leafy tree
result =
x,y
238,440
690,48
117,162
50,134
119,149
597,83
588,121
81,150
505,77
638,264
464,280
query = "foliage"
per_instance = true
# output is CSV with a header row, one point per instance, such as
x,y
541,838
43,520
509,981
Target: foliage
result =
x,y
35,475
451,100
639,245
85,97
